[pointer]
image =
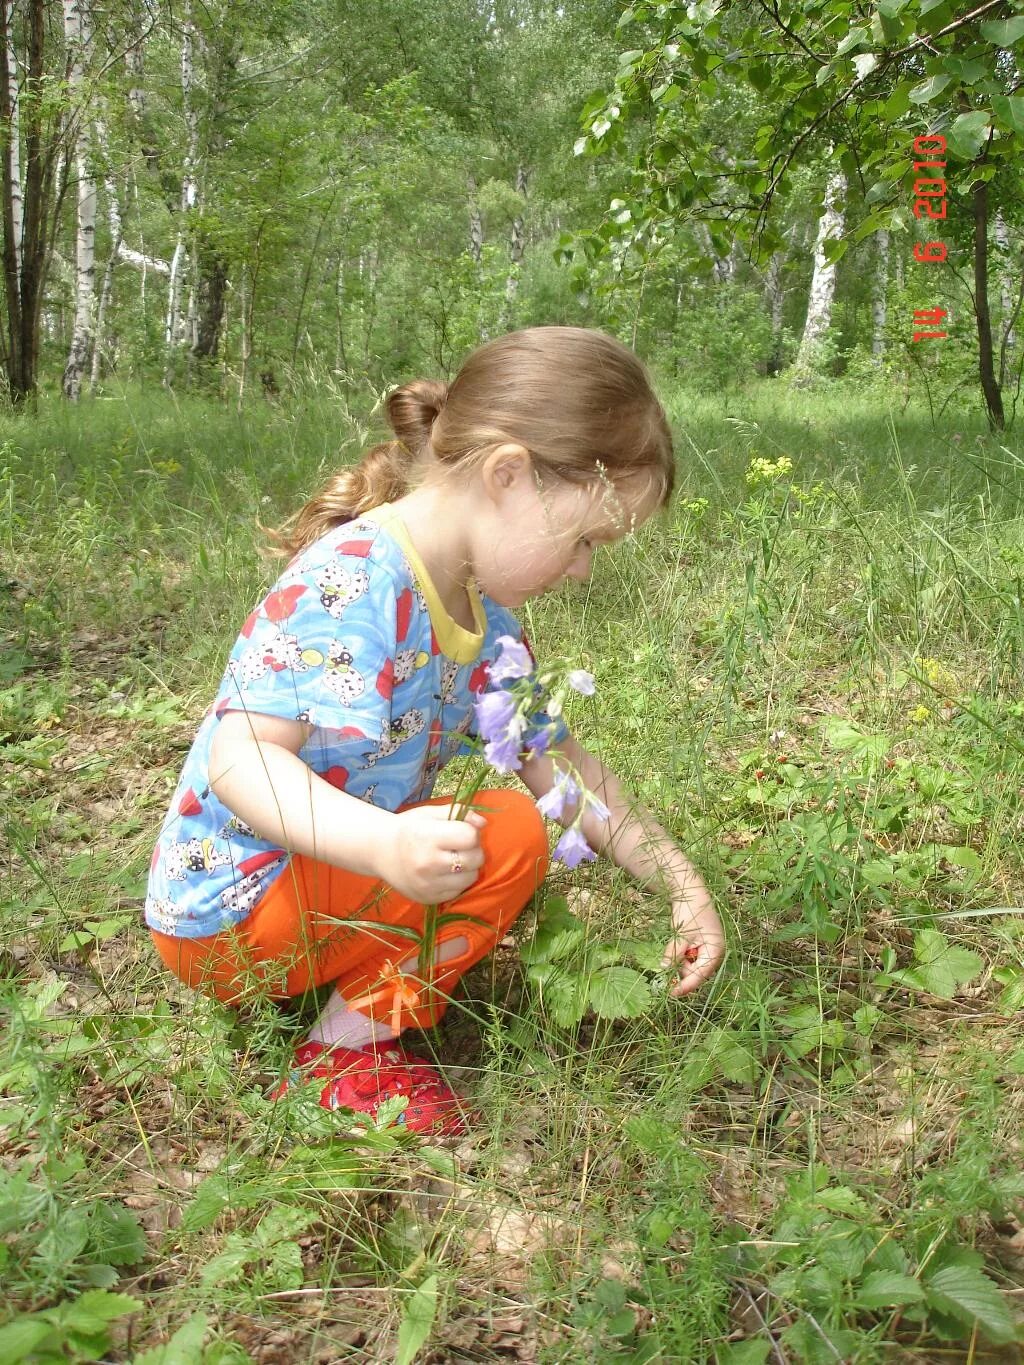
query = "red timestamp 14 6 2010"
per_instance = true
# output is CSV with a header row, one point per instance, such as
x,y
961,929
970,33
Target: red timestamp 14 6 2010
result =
x,y
930,202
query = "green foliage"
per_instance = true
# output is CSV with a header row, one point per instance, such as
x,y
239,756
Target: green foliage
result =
x,y
417,1320
808,667
572,974
77,1330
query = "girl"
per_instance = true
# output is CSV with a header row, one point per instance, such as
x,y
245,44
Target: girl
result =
x,y
302,843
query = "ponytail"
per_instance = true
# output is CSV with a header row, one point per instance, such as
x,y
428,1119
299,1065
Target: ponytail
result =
x,y
383,474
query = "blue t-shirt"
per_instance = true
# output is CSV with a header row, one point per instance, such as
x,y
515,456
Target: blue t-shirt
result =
x,y
353,640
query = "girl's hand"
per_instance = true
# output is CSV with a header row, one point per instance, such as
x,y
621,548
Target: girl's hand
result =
x,y
695,949
425,846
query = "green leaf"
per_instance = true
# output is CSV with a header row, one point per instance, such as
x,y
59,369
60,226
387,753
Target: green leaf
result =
x,y
618,993
115,1235
564,996
844,735
969,132
1009,110
941,967
1003,32
184,1348
760,77
23,1337
96,1308
967,71
816,1345
841,1199
853,39
1012,998
966,1294
752,1352
929,89
417,1321
886,1289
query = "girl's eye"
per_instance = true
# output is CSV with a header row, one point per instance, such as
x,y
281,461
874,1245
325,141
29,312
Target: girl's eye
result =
x,y
585,540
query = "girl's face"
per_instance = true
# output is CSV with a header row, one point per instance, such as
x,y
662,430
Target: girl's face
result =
x,y
530,540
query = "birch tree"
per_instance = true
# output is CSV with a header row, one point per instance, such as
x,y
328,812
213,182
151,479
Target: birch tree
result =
x,y
78,35
172,327
11,118
516,250
32,189
823,280
880,294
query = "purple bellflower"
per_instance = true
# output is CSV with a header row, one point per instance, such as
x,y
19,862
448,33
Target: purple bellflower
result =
x,y
511,722
553,803
494,711
581,681
572,849
513,662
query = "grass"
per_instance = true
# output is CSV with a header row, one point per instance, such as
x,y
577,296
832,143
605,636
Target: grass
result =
x,y
811,677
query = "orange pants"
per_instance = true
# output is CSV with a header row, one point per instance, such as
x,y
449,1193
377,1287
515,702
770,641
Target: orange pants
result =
x,y
317,924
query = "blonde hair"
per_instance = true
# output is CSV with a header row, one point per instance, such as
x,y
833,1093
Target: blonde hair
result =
x,y
578,400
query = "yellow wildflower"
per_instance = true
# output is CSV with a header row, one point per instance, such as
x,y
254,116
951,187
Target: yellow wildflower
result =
x,y
761,470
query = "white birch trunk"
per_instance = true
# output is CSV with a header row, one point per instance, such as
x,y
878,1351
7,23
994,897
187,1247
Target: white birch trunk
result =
x,y
476,223
516,251
776,295
880,294
14,145
116,233
134,65
172,327
78,35
823,281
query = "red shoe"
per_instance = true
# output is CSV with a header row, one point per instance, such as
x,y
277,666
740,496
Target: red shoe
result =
x,y
363,1079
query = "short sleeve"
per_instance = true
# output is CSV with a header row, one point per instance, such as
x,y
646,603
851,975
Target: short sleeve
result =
x,y
320,648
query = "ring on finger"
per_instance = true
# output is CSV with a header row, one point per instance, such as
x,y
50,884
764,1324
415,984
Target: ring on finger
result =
x,y
456,863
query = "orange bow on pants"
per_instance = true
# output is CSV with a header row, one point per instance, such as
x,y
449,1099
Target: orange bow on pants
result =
x,y
296,936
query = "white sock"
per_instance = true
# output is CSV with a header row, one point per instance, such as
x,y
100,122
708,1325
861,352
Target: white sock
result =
x,y
339,1026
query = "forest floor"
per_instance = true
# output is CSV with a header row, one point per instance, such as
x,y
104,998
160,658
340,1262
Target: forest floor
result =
x,y
811,673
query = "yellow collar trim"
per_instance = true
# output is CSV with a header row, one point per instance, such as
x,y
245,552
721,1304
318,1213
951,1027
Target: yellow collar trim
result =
x,y
459,644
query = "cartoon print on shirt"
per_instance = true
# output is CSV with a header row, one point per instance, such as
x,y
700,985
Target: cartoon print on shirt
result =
x,y
340,677
194,855
453,740
449,672
340,587
281,651
396,733
236,828
242,895
162,913
405,665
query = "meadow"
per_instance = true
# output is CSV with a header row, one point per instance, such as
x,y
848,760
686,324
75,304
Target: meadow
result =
x,y
808,667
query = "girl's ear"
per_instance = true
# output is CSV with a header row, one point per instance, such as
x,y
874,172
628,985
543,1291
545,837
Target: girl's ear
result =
x,y
504,467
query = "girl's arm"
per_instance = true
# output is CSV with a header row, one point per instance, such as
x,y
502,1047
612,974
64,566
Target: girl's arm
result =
x,y
633,839
257,773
